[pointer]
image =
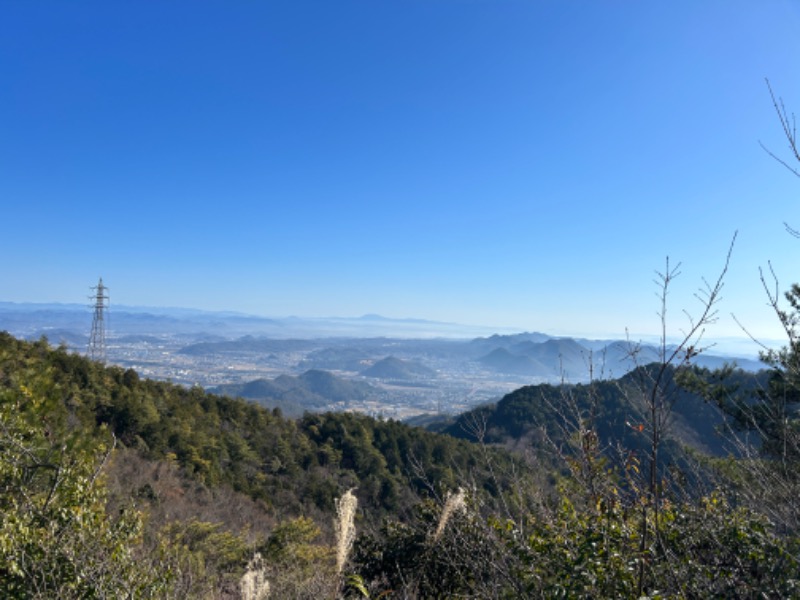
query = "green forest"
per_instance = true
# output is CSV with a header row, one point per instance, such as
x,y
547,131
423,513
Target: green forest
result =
x,y
671,482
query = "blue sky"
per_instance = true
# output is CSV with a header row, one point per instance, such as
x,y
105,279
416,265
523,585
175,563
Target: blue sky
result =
x,y
524,164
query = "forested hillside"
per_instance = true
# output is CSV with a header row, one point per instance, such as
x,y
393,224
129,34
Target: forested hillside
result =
x,y
289,468
117,486
616,409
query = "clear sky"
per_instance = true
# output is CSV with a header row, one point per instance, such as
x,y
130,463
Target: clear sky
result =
x,y
511,163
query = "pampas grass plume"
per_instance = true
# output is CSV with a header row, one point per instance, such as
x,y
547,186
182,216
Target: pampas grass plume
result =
x,y
452,503
345,527
254,584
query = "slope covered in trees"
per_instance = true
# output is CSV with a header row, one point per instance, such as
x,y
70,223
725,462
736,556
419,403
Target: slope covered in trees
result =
x,y
166,450
217,439
117,486
547,415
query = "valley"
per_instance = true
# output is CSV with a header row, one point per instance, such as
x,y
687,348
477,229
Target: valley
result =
x,y
391,368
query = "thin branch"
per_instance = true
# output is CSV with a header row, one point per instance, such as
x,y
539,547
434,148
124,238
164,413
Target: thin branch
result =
x,y
789,127
748,334
780,160
774,299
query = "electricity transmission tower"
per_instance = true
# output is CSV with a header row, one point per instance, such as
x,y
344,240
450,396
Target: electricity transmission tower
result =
x,y
97,341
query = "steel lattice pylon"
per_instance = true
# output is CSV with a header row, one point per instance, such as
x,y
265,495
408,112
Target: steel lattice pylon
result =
x,y
97,341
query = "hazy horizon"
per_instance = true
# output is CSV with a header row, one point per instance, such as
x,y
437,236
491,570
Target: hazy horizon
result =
x,y
741,346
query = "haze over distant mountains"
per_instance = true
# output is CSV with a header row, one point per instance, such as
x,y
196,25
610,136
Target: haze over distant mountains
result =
x,y
313,390
396,367
205,333
43,318
72,323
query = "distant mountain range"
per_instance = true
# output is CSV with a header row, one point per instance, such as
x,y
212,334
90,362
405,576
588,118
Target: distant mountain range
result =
x,y
32,319
538,355
369,346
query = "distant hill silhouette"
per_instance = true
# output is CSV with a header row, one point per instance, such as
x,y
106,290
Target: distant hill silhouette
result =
x,y
313,390
347,358
503,361
246,344
567,358
395,368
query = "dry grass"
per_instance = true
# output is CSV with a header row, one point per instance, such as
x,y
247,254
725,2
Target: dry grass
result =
x,y
345,528
254,584
453,503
